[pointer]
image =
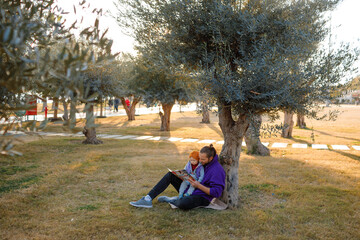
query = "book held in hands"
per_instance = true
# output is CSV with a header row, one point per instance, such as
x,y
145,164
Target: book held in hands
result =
x,y
182,174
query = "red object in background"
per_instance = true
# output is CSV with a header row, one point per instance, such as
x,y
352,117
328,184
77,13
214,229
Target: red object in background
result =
x,y
32,102
46,112
127,101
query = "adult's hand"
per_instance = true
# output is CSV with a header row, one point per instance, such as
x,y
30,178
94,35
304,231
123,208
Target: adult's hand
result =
x,y
194,183
198,185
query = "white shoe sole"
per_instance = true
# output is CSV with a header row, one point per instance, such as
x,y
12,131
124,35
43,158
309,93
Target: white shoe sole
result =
x,y
143,206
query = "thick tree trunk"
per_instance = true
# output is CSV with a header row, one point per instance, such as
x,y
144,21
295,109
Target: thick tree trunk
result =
x,y
130,111
56,108
101,106
252,138
300,121
234,132
288,125
66,112
89,130
165,117
72,122
205,112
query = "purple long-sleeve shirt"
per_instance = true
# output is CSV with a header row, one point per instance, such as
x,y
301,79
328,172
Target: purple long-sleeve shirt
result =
x,y
214,178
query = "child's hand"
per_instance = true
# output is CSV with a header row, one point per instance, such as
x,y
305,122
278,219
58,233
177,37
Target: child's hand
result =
x,y
186,195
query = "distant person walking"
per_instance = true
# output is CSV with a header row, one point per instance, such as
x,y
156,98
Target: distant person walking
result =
x,y
110,103
116,104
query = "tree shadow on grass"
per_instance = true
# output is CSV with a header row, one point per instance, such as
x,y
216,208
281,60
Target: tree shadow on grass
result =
x,y
213,127
198,124
328,134
347,154
301,141
278,186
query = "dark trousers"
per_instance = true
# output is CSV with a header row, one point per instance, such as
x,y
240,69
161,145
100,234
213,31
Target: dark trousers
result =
x,y
184,203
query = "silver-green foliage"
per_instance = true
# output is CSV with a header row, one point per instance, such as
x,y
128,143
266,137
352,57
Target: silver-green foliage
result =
x,y
165,85
29,30
256,55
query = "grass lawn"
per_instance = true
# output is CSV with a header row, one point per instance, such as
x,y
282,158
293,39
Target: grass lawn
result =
x,y
61,189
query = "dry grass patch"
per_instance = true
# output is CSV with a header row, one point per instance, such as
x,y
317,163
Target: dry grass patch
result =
x,y
61,189
82,192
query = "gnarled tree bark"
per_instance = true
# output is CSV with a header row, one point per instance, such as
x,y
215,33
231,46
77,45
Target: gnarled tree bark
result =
x,y
89,130
72,121
130,111
66,112
252,138
56,108
205,112
288,125
165,117
234,132
300,121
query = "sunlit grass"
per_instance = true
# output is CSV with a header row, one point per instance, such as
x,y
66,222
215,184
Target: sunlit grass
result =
x,y
61,189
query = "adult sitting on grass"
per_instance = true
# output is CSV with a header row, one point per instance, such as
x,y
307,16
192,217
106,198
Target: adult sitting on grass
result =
x,y
211,186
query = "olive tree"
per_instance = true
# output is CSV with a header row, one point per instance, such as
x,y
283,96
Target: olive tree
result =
x,y
126,72
162,85
256,56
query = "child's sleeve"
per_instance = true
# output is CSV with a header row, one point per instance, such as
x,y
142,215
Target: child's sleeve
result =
x,y
202,173
187,167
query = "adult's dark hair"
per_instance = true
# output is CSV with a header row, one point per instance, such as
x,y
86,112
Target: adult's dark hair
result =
x,y
209,151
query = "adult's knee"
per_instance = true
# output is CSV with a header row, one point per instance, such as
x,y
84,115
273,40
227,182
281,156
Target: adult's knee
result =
x,y
184,204
168,175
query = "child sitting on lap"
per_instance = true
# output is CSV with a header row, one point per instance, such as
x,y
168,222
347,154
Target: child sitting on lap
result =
x,y
196,170
193,168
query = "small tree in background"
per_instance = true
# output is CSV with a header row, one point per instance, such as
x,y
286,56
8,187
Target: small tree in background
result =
x,y
130,110
126,73
205,111
164,86
206,102
99,83
104,78
252,137
300,120
288,124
